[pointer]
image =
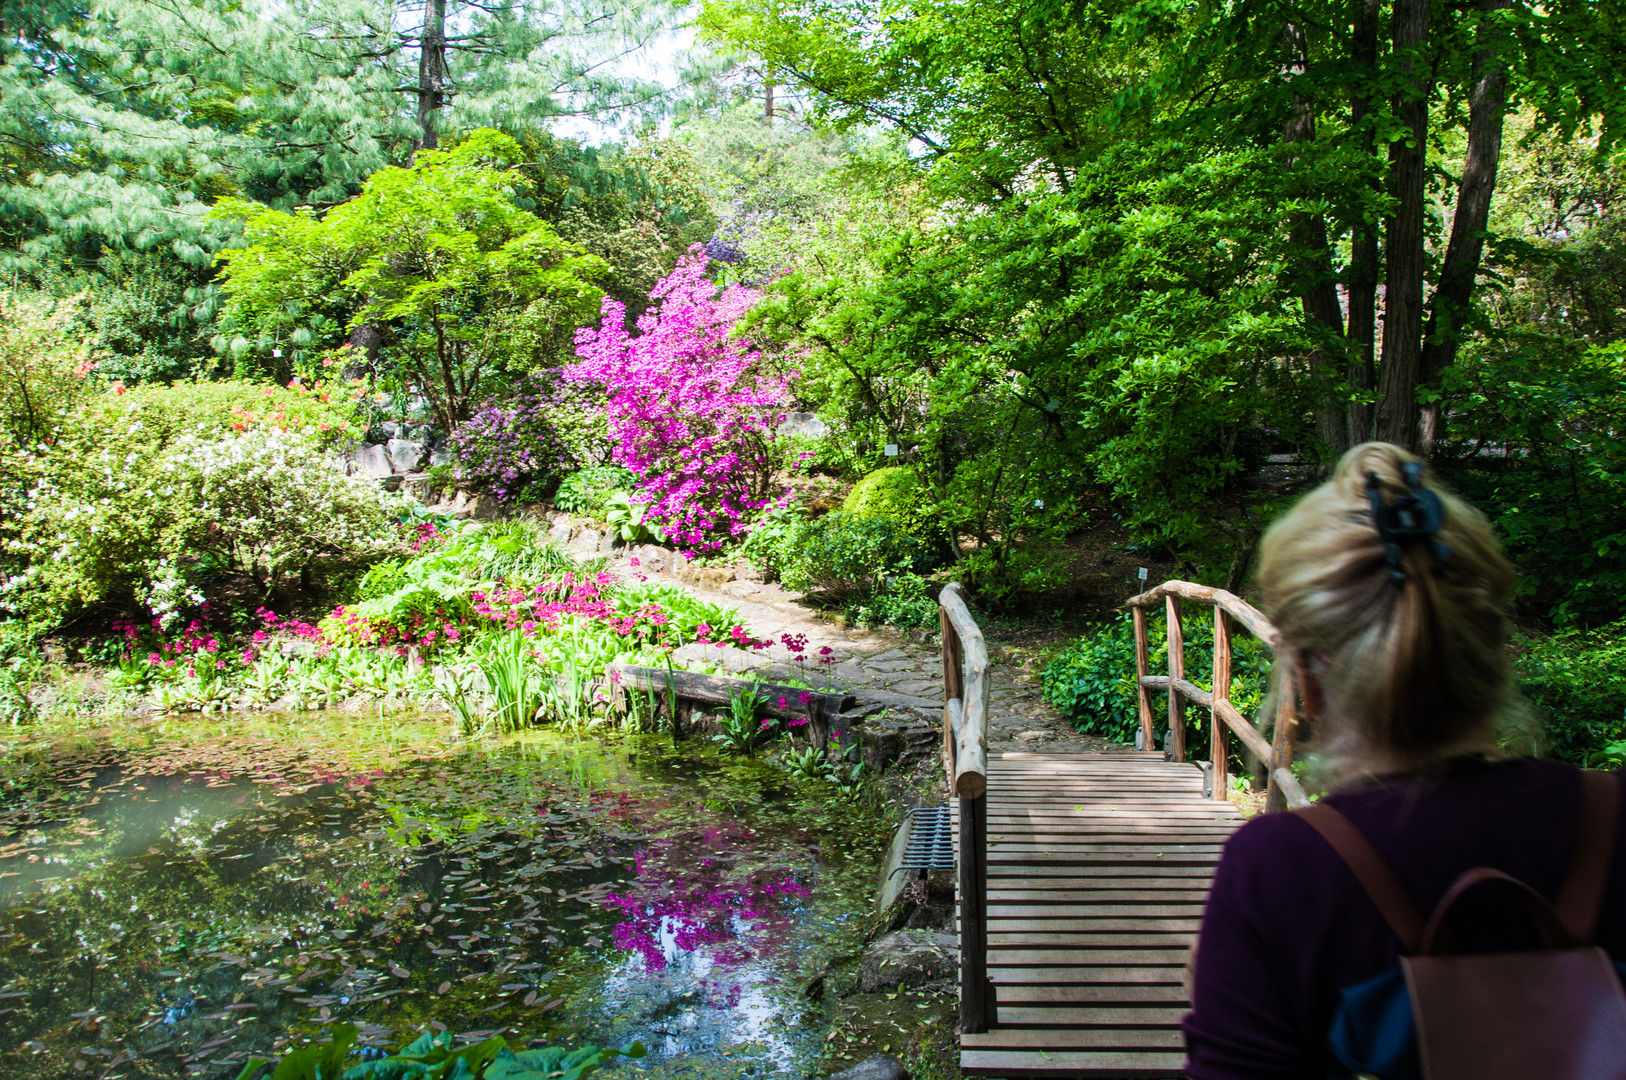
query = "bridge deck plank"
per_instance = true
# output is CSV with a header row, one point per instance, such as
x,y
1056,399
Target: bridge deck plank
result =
x,y
1098,867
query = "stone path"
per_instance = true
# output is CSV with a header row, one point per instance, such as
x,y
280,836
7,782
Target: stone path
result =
x,y
877,666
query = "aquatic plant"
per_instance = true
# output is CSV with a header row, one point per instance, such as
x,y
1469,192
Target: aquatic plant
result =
x,y
740,728
436,1057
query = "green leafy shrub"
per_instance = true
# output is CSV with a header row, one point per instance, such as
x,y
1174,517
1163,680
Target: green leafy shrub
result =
x,y
588,491
150,518
773,539
1577,684
1092,681
43,368
628,521
436,1057
842,557
906,601
897,495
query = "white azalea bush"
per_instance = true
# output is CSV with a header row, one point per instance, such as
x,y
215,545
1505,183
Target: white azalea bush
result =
x,y
269,503
134,522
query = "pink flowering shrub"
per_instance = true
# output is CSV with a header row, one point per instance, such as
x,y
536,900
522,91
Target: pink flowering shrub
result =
x,y
690,411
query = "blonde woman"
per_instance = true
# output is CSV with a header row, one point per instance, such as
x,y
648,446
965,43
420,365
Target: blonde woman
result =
x,y
1391,596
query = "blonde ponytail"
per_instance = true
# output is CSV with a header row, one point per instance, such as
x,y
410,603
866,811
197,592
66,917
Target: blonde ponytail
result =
x,y
1410,641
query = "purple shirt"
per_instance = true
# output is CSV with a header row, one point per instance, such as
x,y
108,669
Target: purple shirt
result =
x,y
1287,925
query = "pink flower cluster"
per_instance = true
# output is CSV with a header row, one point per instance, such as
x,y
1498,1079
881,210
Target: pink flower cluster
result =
x,y
690,411
194,645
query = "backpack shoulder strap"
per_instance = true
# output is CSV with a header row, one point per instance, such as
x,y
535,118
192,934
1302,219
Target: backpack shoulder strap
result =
x,y
1580,898
1370,869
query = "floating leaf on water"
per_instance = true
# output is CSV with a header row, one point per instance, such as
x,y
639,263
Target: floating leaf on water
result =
x,y
443,988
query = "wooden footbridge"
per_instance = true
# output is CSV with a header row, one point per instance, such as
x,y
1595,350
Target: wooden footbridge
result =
x,y
1082,877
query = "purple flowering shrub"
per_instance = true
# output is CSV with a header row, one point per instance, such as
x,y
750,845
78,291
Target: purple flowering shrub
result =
x,y
522,447
690,411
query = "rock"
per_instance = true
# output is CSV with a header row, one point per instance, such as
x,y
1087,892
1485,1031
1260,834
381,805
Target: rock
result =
x,y
481,508
559,532
875,1067
404,455
805,424
1033,736
606,544
586,541
439,457
374,461
344,464
417,486
652,559
391,429
711,577
908,958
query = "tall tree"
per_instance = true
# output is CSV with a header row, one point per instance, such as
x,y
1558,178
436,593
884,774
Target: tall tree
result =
x,y
1369,100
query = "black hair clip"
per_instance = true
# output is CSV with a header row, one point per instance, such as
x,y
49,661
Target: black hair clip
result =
x,y
1416,515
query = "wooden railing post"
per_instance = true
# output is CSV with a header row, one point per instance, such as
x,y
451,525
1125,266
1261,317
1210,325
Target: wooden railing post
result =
x,y
1177,671
1281,742
965,737
1230,611
1222,692
953,689
1143,696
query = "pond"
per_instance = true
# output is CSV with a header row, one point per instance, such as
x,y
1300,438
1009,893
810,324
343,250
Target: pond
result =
x,y
177,898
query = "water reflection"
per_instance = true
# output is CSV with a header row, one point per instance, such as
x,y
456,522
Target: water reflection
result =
x,y
169,909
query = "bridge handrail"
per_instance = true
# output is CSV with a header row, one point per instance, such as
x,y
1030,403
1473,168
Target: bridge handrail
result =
x,y
965,696
965,760
1283,788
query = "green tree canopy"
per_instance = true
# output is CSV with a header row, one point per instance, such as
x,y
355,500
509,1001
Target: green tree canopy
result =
x,y
437,257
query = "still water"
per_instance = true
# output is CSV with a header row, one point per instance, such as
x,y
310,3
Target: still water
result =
x,y
176,900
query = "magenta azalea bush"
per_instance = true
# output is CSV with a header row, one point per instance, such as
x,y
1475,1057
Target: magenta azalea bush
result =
x,y
690,410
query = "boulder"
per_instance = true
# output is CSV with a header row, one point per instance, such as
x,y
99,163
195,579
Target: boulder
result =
x,y
373,461
711,577
805,424
391,429
560,531
404,455
908,958
586,541
439,457
652,558
483,508
875,1067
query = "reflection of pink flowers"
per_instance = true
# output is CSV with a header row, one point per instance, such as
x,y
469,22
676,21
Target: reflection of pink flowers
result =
x,y
701,903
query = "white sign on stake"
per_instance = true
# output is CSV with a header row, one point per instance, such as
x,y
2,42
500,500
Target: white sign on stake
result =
x,y
1141,573
891,449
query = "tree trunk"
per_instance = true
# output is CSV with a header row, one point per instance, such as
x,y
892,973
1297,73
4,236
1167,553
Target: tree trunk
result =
x,y
1363,256
431,72
1450,307
1307,238
1400,369
365,341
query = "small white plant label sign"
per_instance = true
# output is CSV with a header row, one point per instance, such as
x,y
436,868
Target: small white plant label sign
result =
x,y
1141,573
891,449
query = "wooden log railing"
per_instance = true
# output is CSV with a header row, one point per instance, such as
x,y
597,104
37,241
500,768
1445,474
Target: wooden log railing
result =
x,y
965,760
1283,788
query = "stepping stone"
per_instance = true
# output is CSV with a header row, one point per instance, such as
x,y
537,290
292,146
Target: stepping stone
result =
x,y
1033,736
891,665
892,654
920,688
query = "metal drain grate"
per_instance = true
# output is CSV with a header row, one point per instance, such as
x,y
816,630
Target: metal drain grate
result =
x,y
931,840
